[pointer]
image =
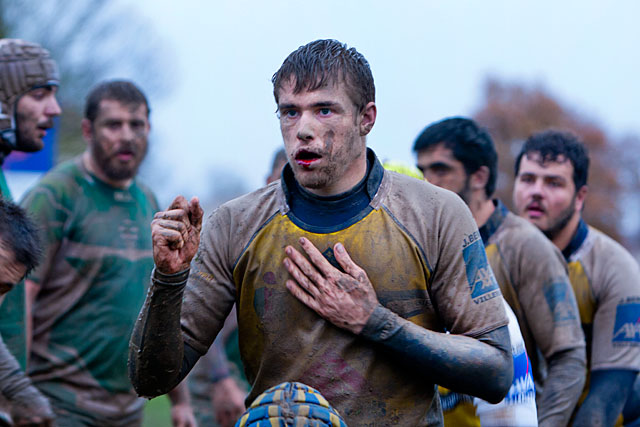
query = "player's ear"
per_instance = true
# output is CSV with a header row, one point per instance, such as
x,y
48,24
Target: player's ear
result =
x,y
479,178
368,118
581,196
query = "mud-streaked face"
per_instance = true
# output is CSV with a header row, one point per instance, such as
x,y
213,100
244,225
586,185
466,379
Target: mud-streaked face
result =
x,y
324,137
118,138
545,194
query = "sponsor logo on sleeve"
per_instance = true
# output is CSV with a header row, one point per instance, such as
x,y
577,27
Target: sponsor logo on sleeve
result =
x,y
482,283
626,330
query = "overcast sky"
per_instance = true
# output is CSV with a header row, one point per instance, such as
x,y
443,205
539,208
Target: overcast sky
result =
x,y
429,60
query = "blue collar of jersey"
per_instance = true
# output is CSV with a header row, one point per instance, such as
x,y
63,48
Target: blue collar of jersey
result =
x,y
333,213
494,221
577,240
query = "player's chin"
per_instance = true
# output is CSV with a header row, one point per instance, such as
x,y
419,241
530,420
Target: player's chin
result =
x,y
30,145
312,179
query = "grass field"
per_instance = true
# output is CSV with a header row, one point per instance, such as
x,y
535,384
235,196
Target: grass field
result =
x,y
157,413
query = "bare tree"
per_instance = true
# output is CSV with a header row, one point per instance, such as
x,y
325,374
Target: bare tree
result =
x,y
513,111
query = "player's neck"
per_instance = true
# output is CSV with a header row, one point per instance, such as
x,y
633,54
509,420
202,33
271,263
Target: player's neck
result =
x,y
481,209
89,162
564,236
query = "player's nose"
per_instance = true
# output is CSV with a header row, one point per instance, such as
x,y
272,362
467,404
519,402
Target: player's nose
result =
x,y
305,131
52,108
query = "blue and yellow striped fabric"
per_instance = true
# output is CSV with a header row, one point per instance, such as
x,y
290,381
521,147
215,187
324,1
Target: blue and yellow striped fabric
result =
x,y
290,404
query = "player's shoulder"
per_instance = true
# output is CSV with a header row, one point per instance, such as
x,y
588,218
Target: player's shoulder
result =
x,y
406,193
607,251
526,236
149,196
61,181
253,207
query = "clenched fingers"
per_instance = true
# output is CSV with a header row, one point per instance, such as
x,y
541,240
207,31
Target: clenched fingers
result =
x,y
179,203
167,237
195,213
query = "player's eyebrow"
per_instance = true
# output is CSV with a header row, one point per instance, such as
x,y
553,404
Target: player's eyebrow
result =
x,y
324,104
441,165
286,106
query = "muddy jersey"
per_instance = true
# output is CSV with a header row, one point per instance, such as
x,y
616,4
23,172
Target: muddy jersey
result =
x,y
517,409
12,308
419,246
606,281
92,284
533,278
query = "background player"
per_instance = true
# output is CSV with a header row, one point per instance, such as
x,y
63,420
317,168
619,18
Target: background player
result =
x,y
458,155
88,290
550,192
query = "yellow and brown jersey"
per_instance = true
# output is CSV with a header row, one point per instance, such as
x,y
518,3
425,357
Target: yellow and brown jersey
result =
x,y
419,246
606,282
533,279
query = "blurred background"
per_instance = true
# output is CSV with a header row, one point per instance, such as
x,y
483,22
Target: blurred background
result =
x,y
516,67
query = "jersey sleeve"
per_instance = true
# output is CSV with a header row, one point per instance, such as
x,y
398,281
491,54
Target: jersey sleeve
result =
x,y
616,325
544,293
50,209
463,287
210,292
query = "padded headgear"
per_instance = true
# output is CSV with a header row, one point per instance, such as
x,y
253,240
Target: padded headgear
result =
x,y
24,66
291,404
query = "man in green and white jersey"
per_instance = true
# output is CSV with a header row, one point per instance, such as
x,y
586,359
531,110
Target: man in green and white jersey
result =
x,y
88,290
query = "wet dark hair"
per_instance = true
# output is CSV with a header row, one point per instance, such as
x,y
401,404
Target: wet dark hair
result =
x,y
323,62
19,235
122,91
471,145
552,144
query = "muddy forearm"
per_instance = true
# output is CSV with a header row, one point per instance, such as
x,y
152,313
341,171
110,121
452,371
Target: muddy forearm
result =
x,y
26,401
157,349
480,367
608,390
562,388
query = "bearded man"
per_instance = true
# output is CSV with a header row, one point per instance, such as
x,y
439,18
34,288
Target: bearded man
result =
x,y
550,192
87,292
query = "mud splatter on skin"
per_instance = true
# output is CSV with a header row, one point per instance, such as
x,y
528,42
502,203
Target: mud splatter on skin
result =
x,y
157,349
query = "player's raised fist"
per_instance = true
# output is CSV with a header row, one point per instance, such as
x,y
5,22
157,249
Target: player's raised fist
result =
x,y
176,235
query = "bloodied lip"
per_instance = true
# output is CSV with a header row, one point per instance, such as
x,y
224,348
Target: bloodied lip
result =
x,y
306,158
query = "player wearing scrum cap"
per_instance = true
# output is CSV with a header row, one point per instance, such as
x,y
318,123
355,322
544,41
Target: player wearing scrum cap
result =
x,y
28,84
